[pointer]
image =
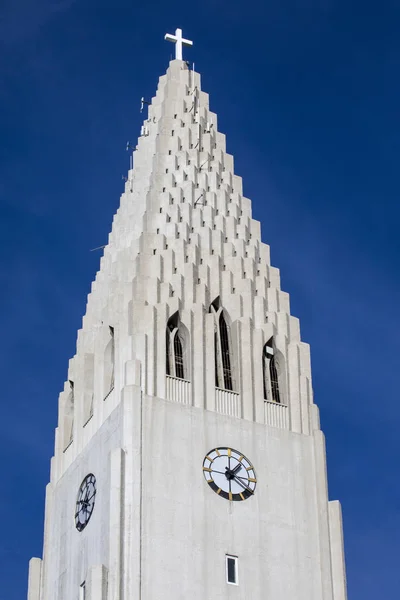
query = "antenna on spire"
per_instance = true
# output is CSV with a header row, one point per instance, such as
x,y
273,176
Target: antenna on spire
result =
x,y
129,146
98,248
124,178
143,102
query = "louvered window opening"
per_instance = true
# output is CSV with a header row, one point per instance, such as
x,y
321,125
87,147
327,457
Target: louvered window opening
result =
x,y
273,373
178,352
174,360
216,342
226,358
167,342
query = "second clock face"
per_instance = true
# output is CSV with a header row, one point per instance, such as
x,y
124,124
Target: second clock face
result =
x,y
229,473
85,502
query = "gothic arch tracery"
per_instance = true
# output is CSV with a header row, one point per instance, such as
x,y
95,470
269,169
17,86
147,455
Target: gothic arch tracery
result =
x,y
222,348
273,373
177,345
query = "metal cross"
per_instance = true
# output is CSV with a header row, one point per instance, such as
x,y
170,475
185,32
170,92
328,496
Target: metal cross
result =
x,y
179,42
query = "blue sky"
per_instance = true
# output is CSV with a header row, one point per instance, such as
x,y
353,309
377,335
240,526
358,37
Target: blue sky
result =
x,y
308,94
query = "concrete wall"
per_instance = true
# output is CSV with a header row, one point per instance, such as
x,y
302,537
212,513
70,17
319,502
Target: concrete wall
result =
x,y
188,529
158,530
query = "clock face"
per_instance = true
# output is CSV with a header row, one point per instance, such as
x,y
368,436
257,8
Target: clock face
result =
x,y
85,502
229,473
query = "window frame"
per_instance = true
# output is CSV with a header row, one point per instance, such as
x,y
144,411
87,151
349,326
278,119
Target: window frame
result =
x,y
224,360
272,381
176,346
236,569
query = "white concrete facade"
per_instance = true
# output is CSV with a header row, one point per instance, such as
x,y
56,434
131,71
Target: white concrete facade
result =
x,y
183,237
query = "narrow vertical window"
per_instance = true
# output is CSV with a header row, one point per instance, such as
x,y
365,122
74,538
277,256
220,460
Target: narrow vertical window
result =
x,y
225,352
176,348
178,351
271,376
232,570
274,380
222,349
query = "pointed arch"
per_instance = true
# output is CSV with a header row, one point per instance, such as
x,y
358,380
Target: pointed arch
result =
x,y
68,421
109,364
272,373
176,346
223,356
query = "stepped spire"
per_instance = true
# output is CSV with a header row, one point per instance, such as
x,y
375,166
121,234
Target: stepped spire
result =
x,y
187,363
184,242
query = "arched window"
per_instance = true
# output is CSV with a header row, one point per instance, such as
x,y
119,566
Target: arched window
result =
x,y
109,364
222,348
271,373
176,348
68,425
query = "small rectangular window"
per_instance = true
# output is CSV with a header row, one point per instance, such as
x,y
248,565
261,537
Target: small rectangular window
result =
x,y
232,570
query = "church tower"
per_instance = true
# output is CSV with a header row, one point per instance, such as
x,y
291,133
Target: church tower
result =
x,y
189,460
